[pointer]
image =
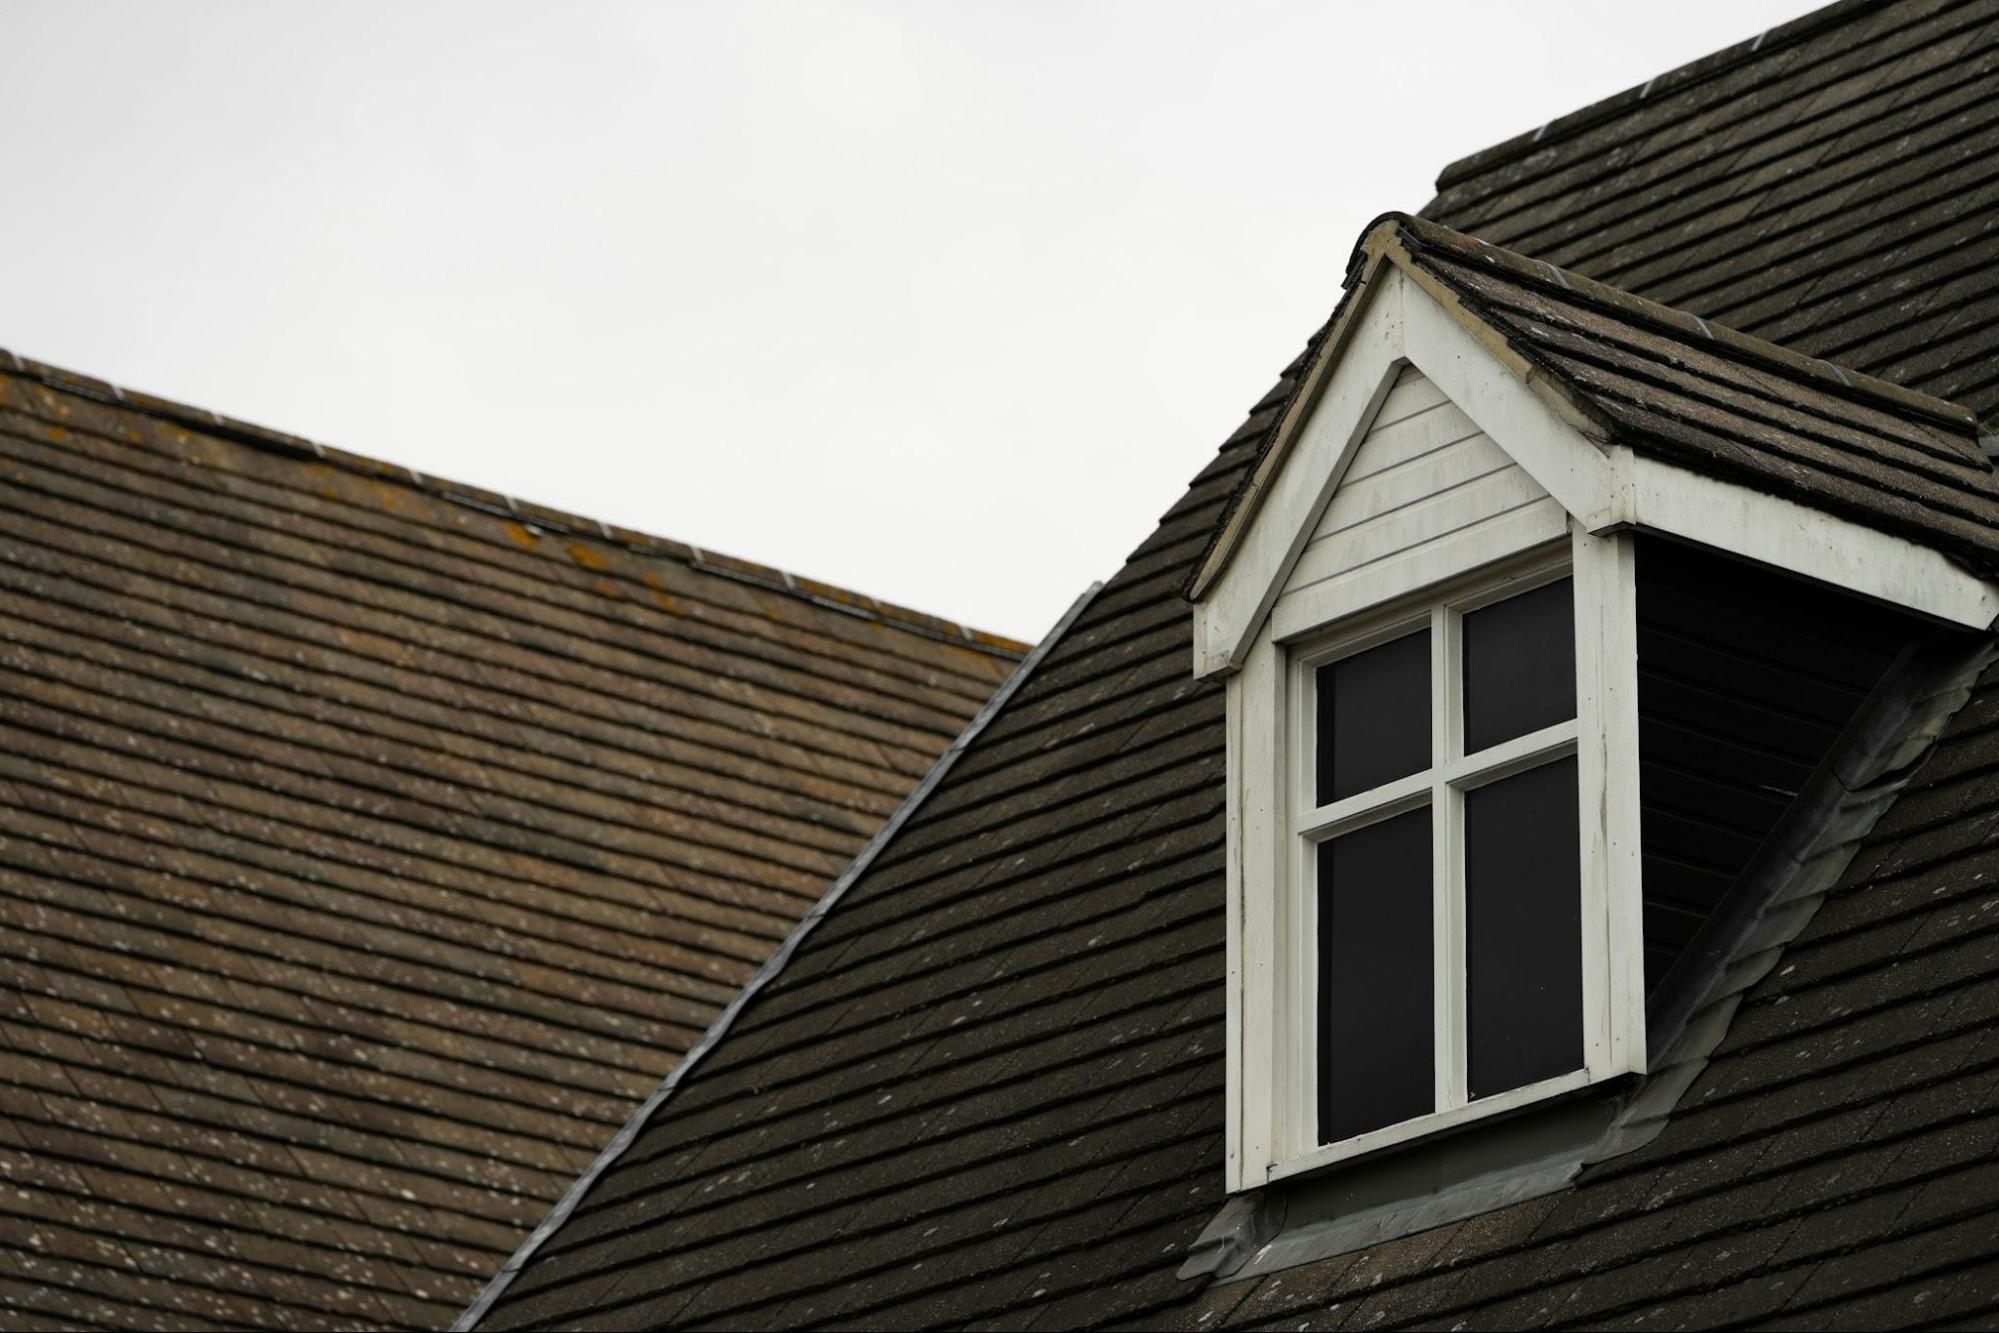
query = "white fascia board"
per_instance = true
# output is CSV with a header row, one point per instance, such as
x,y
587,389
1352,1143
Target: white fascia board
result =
x,y
1655,496
1230,613
1402,324
1497,396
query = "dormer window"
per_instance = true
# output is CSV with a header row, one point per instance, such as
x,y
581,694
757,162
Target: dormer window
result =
x,y
1518,694
1441,842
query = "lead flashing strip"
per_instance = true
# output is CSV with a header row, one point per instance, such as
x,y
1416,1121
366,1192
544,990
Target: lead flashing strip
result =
x,y
717,1030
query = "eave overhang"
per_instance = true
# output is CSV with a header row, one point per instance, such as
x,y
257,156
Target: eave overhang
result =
x,y
1834,508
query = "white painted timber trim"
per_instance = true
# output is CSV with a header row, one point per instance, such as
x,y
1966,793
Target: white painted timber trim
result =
x,y
1232,1165
1613,909
1568,465
1231,613
1255,696
1658,497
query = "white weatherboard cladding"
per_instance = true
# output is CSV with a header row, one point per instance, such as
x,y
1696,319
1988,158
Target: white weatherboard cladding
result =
x,y
1424,485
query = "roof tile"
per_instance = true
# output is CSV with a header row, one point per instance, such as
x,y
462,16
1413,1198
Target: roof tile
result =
x,y
370,843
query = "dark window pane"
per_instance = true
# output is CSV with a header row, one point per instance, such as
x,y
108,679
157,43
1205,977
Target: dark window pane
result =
x,y
1375,1008
1520,665
1523,929
1374,717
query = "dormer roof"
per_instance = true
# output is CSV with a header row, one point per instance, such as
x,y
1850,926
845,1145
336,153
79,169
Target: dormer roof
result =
x,y
1623,370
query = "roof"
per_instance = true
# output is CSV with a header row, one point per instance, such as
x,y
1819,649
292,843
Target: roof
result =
x,y
370,845
988,1089
1829,185
1669,384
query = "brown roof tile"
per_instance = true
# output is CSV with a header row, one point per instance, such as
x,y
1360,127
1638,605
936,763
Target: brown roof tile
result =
x,y
370,844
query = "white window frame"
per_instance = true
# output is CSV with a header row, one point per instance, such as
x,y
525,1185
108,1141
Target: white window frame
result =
x,y
1245,631
1277,1110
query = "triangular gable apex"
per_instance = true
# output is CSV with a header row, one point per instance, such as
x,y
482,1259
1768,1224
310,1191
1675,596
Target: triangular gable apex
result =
x,y
1396,316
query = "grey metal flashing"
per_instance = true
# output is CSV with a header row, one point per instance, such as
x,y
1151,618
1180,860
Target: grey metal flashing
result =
x,y
1543,1148
1428,1183
567,1204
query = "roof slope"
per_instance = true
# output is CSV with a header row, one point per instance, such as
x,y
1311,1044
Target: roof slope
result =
x,y
988,1090
1832,185
989,1082
370,845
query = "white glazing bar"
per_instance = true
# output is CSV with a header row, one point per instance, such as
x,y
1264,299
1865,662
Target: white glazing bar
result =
x,y
1448,804
1443,889
1364,808
1515,756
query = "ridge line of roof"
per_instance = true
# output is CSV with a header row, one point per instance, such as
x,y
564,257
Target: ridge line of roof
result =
x,y
1674,80
1842,381
829,596
469,1318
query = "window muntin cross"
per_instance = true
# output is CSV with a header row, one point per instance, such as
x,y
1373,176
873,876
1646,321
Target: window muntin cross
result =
x,y
1444,848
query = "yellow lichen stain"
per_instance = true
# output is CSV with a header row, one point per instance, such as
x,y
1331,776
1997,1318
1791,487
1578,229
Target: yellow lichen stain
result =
x,y
521,536
390,497
605,588
652,581
586,557
328,493
58,434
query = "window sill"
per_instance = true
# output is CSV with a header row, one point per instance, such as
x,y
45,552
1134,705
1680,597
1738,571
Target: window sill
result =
x,y
1437,1122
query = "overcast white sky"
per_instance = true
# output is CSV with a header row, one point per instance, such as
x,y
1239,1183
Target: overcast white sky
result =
x,y
942,301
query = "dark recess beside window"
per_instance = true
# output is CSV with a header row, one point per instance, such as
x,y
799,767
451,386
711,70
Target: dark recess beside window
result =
x,y
1374,717
1520,665
1746,678
1376,1019
1523,929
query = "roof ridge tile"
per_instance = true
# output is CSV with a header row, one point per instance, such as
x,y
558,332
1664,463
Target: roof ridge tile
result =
x,y
562,522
